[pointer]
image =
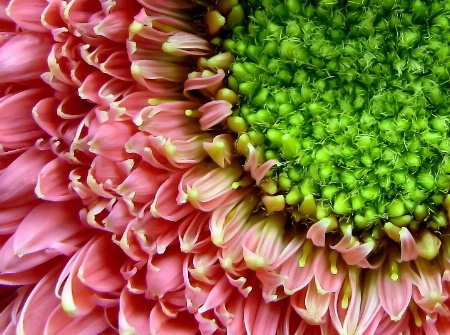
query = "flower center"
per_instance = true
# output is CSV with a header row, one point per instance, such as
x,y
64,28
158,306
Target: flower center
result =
x,y
352,99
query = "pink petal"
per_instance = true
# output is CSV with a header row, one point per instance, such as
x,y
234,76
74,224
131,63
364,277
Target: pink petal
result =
x,y
61,224
214,112
164,274
27,15
102,273
40,302
402,286
17,127
18,180
53,182
134,313
26,65
110,138
10,218
61,323
260,317
408,245
183,324
165,205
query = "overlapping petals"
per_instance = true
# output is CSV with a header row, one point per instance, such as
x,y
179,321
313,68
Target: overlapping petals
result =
x,y
124,207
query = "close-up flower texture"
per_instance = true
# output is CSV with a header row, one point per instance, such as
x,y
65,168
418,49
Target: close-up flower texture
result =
x,y
224,167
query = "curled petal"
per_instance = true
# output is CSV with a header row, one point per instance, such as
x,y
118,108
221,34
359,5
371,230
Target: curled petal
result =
x,y
206,82
185,44
257,173
311,305
408,245
214,112
220,149
110,139
27,15
316,233
115,25
134,313
53,182
164,273
207,188
164,204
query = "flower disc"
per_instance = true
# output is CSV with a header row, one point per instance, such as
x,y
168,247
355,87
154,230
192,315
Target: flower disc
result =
x,y
352,99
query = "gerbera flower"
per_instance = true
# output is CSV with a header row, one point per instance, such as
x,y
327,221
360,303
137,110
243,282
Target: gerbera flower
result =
x,y
258,167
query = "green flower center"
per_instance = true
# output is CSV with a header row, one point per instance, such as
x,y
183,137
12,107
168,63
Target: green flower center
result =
x,y
352,98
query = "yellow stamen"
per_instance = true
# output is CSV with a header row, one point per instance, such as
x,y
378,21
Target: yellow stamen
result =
x,y
333,261
306,251
193,113
136,27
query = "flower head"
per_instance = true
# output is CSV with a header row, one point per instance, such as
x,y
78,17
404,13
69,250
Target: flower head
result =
x,y
224,167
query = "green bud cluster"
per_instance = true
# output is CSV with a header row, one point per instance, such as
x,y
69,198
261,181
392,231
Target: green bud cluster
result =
x,y
352,98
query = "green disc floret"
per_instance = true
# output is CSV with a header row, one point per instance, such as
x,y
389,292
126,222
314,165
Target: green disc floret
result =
x,y
352,98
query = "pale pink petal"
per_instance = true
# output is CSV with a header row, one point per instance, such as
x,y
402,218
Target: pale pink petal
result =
x,y
220,149
399,283
311,305
206,81
329,270
186,44
214,112
408,245
257,173
195,185
316,233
